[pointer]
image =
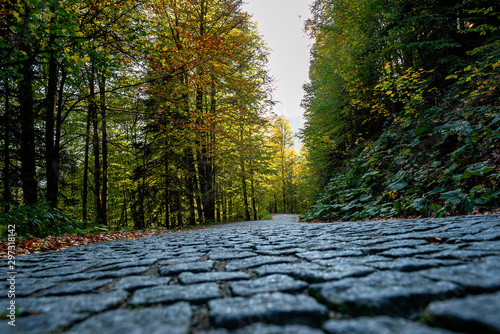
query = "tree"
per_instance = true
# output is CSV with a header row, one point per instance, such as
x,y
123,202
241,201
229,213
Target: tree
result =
x,y
123,113
282,143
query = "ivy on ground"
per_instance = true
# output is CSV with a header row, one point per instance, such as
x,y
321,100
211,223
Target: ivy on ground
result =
x,y
434,167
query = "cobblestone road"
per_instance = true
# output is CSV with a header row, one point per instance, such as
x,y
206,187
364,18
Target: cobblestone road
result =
x,y
279,276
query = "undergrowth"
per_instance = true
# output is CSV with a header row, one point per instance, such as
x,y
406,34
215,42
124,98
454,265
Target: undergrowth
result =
x,y
41,220
433,166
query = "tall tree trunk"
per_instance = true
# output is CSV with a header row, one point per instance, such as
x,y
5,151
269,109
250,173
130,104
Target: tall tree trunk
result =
x,y
51,165
190,178
59,120
244,187
206,213
96,150
219,205
140,221
224,206
167,224
252,189
123,216
210,194
198,195
190,186
86,164
179,208
104,131
275,204
27,153
201,157
283,182
6,167
167,188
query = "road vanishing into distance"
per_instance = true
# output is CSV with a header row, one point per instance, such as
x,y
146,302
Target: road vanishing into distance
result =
x,y
268,277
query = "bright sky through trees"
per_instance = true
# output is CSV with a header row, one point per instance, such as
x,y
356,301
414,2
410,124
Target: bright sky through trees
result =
x,y
281,22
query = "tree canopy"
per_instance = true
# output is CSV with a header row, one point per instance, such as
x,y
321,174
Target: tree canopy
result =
x,y
137,114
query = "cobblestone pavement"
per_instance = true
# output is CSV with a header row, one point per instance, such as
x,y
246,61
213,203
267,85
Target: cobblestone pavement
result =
x,y
270,277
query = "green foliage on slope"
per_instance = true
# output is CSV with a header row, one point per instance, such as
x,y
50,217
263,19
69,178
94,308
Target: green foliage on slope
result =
x,y
412,127
436,167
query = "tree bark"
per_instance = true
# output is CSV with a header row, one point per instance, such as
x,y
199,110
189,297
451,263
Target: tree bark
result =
x,y
201,183
252,189
167,187
6,167
59,121
210,194
28,153
275,204
198,194
96,150
219,207
51,165
283,180
245,192
224,207
86,165
104,194
190,186
123,216
179,208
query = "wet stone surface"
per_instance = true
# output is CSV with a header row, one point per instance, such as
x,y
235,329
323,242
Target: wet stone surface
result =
x,y
270,277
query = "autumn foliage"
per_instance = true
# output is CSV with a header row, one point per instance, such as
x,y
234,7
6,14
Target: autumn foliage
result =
x,y
137,114
32,245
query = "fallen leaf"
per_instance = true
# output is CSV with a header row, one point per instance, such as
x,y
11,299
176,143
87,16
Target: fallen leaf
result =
x,y
434,240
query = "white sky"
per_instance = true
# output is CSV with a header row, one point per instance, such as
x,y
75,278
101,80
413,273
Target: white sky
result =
x,y
281,23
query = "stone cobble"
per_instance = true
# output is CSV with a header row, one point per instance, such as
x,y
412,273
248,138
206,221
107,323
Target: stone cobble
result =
x,y
270,277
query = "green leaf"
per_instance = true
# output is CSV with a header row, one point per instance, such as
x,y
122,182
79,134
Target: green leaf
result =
x,y
478,189
349,206
440,213
479,169
436,164
423,129
451,169
437,191
398,185
368,176
420,204
415,143
400,160
454,196
365,198
436,207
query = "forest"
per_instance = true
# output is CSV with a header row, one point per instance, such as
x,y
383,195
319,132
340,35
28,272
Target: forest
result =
x,y
402,108
121,114
138,114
